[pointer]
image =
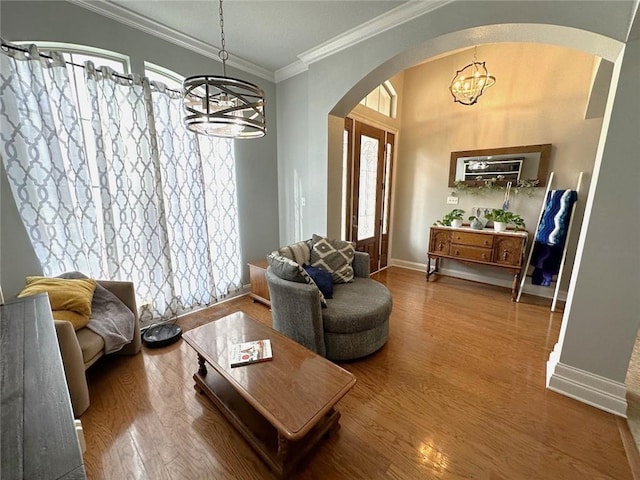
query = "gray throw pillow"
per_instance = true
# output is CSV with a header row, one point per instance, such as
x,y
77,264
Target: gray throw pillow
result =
x,y
287,269
334,256
298,252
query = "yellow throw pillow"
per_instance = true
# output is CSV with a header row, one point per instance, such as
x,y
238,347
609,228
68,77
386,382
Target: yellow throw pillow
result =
x,y
78,321
70,298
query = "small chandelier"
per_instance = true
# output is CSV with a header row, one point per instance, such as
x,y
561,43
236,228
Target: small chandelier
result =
x,y
471,82
223,106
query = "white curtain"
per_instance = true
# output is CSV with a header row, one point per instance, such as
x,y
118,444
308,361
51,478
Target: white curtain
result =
x,y
45,160
168,219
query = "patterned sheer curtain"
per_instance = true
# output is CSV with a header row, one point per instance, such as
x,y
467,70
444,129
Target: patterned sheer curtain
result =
x,y
198,174
168,221
45,160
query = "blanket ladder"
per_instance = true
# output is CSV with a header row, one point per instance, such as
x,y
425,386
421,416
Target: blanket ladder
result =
x,y
566,241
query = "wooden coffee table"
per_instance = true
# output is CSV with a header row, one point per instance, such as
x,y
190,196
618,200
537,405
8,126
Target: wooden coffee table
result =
x,y
283,406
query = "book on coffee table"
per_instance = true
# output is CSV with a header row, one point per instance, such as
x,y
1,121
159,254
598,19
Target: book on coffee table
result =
x,y
250,352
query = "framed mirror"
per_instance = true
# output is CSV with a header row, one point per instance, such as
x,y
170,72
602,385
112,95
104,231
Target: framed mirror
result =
x,y
508,164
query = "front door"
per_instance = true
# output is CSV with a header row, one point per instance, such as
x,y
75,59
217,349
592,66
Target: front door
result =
x,y
370,182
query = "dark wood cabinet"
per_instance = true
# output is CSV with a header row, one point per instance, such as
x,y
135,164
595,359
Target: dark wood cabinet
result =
x,y
487,247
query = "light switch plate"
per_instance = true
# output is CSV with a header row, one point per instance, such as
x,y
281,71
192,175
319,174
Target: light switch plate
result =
x,y
452,200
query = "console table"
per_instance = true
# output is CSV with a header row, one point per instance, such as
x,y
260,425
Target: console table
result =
x,y
38,436
485,247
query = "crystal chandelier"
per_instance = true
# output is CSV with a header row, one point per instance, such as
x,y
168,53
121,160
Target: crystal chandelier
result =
x,y
471,82
221,106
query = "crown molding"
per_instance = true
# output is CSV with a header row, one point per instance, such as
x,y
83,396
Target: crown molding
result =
x,y
290,70
151,27
393,18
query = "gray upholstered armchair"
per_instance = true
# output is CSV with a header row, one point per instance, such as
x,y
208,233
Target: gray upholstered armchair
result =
x,y
354,324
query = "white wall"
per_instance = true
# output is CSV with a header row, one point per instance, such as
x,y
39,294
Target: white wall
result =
x,y
256,164
603,313
539,97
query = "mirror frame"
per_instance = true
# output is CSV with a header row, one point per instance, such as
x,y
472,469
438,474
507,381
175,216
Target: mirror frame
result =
x,y
543,166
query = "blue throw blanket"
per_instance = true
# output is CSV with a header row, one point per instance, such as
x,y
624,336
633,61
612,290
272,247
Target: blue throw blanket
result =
x,y
555,218
551,236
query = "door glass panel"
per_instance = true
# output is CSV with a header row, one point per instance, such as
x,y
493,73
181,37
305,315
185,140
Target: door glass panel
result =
x,y
368,179
387,188
345,184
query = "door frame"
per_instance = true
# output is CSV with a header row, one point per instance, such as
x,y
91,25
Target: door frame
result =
x,y
348,171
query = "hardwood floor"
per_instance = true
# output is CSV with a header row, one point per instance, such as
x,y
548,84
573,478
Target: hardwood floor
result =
x,y
457,392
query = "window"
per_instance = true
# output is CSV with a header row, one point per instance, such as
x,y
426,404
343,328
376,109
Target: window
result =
x,y
156,73
382,99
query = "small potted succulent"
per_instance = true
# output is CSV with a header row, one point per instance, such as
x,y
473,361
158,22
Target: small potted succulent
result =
x,y
502,218
452,219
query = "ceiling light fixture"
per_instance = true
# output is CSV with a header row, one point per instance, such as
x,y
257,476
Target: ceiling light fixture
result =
x,y
221,106
471,82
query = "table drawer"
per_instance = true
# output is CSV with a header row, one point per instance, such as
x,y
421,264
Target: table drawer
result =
x,y
475,239
465,252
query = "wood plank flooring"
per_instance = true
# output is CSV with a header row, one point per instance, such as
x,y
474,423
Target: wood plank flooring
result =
x,y
456,393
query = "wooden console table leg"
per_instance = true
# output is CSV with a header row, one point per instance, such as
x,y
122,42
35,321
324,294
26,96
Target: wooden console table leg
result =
x,y
514,287
436,266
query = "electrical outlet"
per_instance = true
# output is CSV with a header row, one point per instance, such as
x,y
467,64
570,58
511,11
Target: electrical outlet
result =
x,y
452,200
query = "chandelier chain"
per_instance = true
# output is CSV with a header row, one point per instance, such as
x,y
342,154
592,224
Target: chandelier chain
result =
x,y
223,54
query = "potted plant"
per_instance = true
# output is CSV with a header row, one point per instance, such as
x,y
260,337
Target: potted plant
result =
x,y
501,218
452,219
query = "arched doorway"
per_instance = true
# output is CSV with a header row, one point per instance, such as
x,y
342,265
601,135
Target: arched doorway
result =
x,y
328,88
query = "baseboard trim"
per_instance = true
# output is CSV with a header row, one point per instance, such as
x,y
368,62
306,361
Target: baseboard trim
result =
x,y
535,290
587,387
394,262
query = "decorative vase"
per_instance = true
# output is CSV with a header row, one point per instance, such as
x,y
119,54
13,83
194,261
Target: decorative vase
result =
x,y
477,224
499,226
456,223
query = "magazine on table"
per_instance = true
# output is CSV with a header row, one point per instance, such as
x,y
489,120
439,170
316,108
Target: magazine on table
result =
x,y
250,352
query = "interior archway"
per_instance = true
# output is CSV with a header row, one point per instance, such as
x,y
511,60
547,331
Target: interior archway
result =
x,y
591,43
442,46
